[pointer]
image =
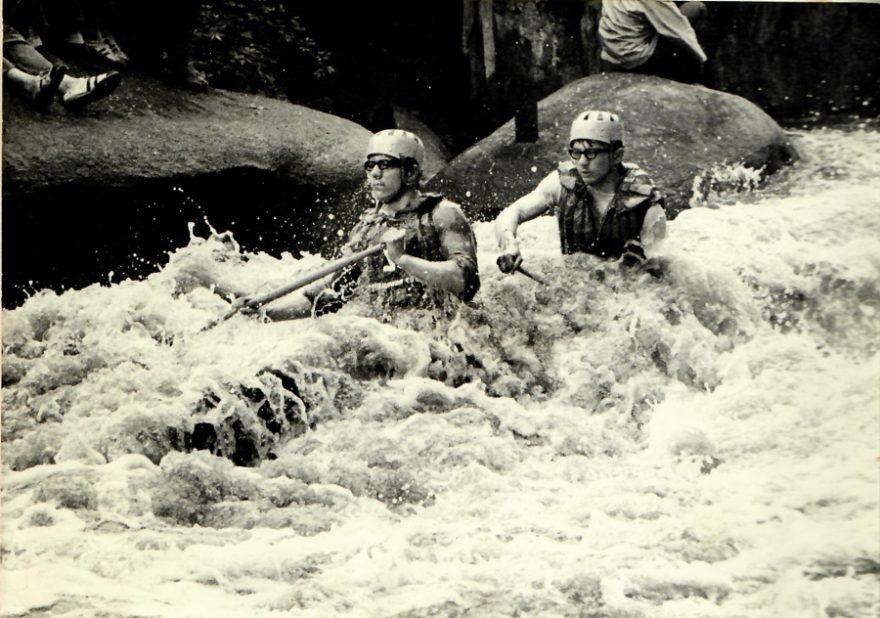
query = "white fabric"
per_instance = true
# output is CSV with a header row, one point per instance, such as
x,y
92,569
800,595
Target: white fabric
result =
x,y
630,29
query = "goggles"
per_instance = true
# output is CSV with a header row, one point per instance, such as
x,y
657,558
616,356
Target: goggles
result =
x,y
382,164
589,153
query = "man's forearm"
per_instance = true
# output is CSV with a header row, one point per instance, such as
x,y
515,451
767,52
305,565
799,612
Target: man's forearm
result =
x,y
525,209
446,275
653,229
506,225
297,307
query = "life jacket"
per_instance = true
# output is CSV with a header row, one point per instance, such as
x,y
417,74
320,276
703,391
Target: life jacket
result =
x,y
382,284
583,230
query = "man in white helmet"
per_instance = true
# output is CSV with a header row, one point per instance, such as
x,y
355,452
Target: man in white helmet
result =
x,y
602,205
430,249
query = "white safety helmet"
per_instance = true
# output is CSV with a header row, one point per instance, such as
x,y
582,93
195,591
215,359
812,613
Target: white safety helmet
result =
x,y
596,125
397,143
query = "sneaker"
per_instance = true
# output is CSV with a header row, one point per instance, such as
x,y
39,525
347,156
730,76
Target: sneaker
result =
x,y
84,90
110,40
45,86
102,51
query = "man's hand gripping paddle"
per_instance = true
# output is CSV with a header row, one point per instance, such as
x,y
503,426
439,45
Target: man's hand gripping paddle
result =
x,y
506,266
328,269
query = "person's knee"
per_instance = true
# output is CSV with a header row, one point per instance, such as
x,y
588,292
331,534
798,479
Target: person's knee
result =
x,y
694,11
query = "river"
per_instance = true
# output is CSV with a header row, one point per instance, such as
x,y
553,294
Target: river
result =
x,y
606,445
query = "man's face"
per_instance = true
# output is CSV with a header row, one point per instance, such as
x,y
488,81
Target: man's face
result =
x,y
384,177
593,160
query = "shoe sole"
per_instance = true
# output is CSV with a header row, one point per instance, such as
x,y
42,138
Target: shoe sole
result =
x,y
101,90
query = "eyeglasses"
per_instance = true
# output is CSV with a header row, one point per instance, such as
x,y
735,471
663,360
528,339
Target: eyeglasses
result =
x,y
382,164
589,153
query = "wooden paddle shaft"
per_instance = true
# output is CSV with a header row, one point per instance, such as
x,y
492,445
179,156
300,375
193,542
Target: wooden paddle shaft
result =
x,y
313,276
303,281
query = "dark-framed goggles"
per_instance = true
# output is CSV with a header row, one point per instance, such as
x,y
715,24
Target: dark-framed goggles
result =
x,y
589,153
382,164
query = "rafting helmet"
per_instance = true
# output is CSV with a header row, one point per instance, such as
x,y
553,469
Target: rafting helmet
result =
x,y
397,143
600,126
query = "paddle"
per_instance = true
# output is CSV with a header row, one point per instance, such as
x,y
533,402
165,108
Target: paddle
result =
x,y
521,270
301,282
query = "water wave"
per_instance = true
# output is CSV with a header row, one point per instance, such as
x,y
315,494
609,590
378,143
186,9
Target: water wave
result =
x,y
608,444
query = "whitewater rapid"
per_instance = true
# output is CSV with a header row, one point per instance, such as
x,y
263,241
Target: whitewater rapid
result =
x,y
607,445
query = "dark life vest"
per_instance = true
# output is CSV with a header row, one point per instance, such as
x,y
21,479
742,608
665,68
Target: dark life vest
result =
x,y
583,230
393,286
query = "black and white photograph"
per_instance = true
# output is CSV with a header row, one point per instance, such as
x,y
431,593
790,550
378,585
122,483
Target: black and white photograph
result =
x,y
440,309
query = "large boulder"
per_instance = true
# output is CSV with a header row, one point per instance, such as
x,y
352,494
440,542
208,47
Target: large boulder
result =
x,y
113,188
676,132
148,129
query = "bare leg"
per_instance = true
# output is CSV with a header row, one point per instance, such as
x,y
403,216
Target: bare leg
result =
x,y
38,89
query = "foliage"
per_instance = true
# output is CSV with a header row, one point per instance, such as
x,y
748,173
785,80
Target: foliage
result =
x,y
256,47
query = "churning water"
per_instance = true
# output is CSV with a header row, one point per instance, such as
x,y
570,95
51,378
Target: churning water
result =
x,y
606,445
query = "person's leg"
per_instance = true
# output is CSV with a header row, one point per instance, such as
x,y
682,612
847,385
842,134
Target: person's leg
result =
x,y
39,89
25,56
76,34
99,41
25,17
41,78
112,12
671,62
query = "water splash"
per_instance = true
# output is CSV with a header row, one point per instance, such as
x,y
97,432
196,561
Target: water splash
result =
x,y
721,181
610,444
